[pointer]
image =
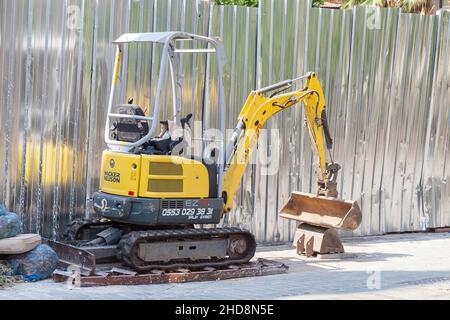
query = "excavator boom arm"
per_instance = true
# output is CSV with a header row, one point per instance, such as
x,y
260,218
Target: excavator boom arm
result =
x,y
260,106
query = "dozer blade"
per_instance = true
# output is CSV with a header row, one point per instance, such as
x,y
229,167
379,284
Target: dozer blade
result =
x,y
73,256
322,212
320,217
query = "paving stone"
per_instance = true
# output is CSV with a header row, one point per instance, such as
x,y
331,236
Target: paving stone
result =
x,y
402,266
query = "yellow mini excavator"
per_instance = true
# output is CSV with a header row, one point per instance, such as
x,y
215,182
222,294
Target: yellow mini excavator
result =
x,y
156,200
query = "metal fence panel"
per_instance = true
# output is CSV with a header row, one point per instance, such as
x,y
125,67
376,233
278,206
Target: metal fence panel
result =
x,y
436,191
366,111
385,74
45,66
410,101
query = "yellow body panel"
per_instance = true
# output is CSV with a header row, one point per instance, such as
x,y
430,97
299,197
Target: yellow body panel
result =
x,y
153,176
120,173
172,177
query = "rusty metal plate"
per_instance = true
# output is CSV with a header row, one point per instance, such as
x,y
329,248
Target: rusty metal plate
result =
x,y
261,267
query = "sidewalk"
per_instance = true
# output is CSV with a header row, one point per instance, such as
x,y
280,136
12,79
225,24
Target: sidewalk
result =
x,y
406,266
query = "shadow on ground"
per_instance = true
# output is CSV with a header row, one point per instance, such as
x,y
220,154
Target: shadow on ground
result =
x,y
396,238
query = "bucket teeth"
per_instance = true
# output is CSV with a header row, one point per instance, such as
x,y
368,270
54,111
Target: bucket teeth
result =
x,y
300,244
309,248
311,240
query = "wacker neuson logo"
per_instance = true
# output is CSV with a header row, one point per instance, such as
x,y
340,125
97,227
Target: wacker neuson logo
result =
x,y
111,176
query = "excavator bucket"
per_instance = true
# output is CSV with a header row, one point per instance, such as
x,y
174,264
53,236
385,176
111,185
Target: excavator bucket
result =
x,y
320,217
322,212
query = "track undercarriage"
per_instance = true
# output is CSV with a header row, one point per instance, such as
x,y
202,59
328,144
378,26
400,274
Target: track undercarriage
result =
x,y
145,248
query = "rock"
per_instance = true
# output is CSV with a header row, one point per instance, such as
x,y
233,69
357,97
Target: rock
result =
x,y
19,244
34,265
9,224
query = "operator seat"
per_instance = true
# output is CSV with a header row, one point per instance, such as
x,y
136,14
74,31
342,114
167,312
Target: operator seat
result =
x,y
165,143
161,143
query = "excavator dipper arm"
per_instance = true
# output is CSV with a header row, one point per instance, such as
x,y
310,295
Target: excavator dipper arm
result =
x,y
260,106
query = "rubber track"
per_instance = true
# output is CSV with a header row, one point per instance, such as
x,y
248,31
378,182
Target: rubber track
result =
x,y
74,227
126,247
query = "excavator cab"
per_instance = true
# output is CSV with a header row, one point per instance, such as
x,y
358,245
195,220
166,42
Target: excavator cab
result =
x,y
164,99
161,171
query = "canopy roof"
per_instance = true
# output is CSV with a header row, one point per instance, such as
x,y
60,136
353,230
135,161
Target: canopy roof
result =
x,y
159,37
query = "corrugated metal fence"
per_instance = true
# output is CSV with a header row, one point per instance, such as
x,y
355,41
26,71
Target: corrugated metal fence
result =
x,y
386,77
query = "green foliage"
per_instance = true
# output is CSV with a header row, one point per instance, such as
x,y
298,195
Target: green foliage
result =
x,y
418,6
5,276
353,3
411,6
247,3
317,3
